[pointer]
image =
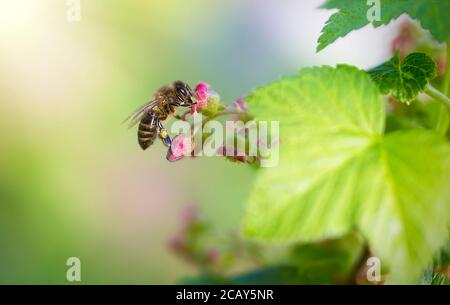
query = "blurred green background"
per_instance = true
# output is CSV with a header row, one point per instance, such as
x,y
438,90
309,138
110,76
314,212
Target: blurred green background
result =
x,y
73,181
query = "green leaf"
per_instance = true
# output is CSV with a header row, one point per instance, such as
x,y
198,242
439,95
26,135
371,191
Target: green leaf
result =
x,y
352,15
330,261
337,171
328,118
404,80
404,192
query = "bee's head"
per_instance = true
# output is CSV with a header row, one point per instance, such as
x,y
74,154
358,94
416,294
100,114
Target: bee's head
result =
x,y
185,96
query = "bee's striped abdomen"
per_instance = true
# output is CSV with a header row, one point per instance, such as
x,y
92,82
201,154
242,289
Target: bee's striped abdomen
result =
x,y
147,131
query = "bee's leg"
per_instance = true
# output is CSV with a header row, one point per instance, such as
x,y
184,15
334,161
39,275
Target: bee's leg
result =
x,y
163,134
175,104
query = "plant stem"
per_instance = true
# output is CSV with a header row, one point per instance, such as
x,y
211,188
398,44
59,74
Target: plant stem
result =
x,y
223,113
437,95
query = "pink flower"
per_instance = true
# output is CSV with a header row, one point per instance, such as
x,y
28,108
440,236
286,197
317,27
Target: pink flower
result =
x,y
181,146
179,243
201,96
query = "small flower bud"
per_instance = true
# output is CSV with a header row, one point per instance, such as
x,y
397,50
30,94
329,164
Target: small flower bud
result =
x,y
181,146
201,96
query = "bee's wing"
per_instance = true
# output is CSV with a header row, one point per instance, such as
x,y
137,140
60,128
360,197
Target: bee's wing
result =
x,y
136,116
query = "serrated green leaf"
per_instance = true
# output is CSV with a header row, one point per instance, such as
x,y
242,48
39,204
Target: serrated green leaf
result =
x,y
328,117
338,171
404,197
433,15
404,80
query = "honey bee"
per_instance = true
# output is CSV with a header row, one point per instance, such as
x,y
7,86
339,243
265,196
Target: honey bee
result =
x,y
151,115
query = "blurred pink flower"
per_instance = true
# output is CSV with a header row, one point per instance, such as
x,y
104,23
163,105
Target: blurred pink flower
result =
x,y
406,40
189,215
241,105
177,244
442,65
213,255
181,146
